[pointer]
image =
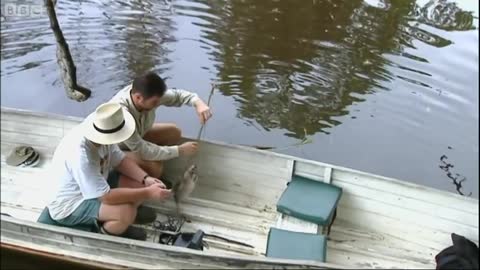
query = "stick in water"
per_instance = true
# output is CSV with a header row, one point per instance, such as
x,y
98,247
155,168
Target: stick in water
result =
x,y
208,104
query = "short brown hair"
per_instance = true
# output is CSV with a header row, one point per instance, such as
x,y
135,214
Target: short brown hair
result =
x,y
149,85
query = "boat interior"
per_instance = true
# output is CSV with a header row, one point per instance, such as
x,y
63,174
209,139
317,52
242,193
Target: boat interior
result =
x,y
380,222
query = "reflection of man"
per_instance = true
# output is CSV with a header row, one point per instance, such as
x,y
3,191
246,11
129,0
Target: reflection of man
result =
x,y
152,142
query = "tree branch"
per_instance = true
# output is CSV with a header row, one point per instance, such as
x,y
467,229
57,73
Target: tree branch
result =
x,y
64,58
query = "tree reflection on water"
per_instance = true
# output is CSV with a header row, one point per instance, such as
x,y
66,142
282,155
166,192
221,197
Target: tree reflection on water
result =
x,y
297,65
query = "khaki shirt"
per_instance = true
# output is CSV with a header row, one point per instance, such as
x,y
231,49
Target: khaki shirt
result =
x,y
144,121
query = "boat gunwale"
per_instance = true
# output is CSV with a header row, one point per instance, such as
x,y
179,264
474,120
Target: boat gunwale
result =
x,y
89,236
60,257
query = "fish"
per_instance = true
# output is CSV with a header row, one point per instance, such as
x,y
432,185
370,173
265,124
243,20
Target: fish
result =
x,y
185,186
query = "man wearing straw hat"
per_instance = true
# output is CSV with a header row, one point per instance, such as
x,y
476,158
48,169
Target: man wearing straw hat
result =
x,y
152,143
81,164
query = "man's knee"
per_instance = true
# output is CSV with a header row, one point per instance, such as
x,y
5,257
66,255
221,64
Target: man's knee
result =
x,y
176,133
124,213
154,168
164,134
173,133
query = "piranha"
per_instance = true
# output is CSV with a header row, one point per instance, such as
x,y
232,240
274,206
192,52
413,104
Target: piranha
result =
x,y
184,187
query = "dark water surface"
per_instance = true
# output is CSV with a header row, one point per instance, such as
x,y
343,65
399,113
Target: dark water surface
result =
x,y
387,87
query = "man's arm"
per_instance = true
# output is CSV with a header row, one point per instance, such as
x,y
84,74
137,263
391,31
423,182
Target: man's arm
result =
x,y
150,151
178,97
203,111
85,170
125,195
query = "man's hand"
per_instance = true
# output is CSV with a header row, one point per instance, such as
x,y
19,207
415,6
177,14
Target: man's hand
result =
x,y
152,180
157,192
203,111
188,148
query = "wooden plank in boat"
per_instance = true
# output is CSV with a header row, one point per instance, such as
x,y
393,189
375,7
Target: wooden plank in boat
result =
x,y
290,223
30,139
397,228
214,193
14,112
401,188
26,129
402,216
369,259
221,216
423,208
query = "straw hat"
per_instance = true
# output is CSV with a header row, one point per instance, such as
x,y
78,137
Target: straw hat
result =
x,y
109,124
22,155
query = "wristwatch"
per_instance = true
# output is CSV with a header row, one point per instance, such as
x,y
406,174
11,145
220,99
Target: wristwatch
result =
x,y
144,178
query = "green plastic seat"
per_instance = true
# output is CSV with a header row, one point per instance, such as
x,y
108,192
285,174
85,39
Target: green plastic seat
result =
x,y
310,200
296,245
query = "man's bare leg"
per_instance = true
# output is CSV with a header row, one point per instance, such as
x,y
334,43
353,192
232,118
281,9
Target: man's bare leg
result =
x,y
117,218
163,134
126,182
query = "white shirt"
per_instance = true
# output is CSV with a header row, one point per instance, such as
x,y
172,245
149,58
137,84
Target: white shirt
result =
x,y
80,169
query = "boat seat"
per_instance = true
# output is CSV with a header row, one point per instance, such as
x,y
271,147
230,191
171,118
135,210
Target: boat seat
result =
x,y
310,200
45,218
296,245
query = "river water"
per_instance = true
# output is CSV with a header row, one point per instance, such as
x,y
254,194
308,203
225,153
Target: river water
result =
x,y
387,87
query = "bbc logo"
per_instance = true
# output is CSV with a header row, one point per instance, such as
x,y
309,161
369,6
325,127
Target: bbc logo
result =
x,y
22,10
